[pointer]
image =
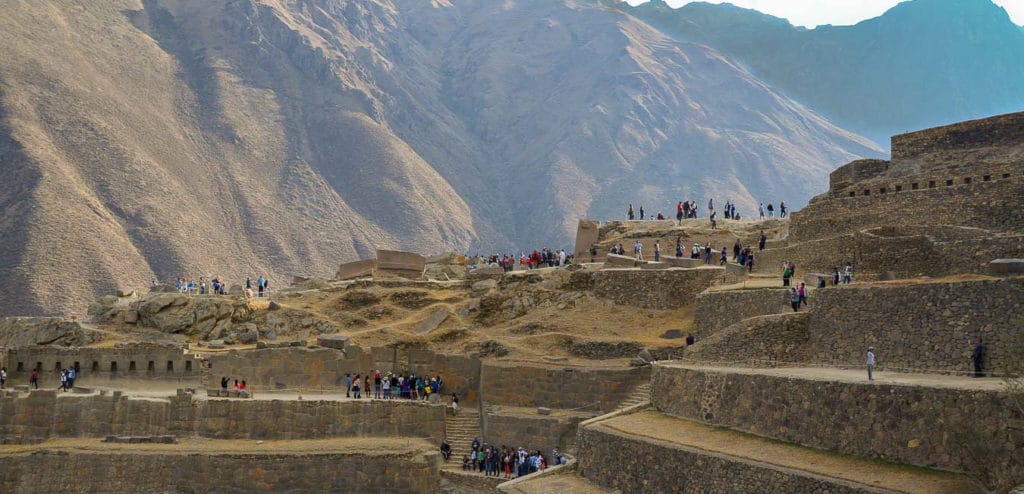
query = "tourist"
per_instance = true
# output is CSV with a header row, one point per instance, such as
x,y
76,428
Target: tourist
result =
x,y
641,212
260,283
376,384
679,212
466,464
848,273
794,299
629,213
978,357
63,380
802,290
355,387
771,210
821,282
736,249
782,210
446,450
234,387
786,273
835,276
455,404
385,385
3,377
761,241
750,262
760,210
366,384
689,339
243,390
714,223
871,362
708,253
657,251
33,379
224,384
72,374
348,385
248,283
638,249
711,204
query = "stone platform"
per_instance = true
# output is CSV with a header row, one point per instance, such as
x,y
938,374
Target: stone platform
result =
x,y
202,465
649,451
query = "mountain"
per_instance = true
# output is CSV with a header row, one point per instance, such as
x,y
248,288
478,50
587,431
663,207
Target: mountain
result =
x,y
921,64
164,138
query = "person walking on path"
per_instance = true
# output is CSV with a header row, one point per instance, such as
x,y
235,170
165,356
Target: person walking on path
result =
x,y
761,241
771,210
794,299
348,385
630,213
679,212
638,249
657,251
786,274
760,210
871,362
802,290
978,357
33,379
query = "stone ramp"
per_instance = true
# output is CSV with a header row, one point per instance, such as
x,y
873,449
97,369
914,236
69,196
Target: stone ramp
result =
x,y
649,451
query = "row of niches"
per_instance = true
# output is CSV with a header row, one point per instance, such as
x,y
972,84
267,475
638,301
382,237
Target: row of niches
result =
x,y
929,184
151,366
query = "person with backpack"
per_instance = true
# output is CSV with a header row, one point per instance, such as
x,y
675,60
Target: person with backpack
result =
x,y
771,210
786,274
794,299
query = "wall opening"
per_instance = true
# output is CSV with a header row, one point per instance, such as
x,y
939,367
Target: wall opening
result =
x,y
967,180
867,192
95,366
21,366
853,193
931,184
59,367
39,367
78,368
113,366
1006,175
170,366
899,188
913,186
188,366
987,178
949,183
882,190
131,365
151,367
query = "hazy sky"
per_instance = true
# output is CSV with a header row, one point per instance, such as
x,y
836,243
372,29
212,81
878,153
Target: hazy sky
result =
x,y
811,13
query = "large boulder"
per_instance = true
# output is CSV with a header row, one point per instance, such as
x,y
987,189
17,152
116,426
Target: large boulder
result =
x,y
205,317
29,331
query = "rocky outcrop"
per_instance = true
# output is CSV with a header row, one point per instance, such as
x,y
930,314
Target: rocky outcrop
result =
x,y
31,331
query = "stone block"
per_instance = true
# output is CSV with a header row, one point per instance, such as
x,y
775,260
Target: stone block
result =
x,y
357,269
682,262
543,411
432,322
336,341
483,286
654,265
617,261
672,334
217,344
1007,266
405,264
131,316
125,292
587,234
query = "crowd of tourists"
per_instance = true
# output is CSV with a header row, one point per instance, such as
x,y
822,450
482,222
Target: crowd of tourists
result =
x,y
688,210
217,286
241,388
539,258
507,462
392,386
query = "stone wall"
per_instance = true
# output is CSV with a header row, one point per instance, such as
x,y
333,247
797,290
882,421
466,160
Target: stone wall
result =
x,y
992,205
916,326
526,428
42,415
894,422
130,472
771,340
587,234
718,309
98,366
998,131
635,464
584,388
654,289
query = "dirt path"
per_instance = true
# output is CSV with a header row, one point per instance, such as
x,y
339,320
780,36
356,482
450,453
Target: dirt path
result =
x,y
898,478
860,376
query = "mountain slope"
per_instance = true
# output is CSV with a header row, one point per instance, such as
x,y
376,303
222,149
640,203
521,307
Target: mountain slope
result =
x,y
165,138
921,64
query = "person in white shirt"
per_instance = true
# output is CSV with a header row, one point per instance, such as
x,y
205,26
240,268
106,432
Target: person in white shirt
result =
x,y
639,249
871,362
561,257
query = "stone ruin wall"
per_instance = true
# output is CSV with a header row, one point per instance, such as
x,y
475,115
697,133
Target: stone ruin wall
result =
x,y
1001,131
543,432
43,415
915,327
630,463
654,289
763,341
129,472
991,205
98,366
847,417
587,389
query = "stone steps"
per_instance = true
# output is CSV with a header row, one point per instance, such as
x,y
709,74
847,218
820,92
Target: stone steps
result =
x,y
460,430
649,451
641,394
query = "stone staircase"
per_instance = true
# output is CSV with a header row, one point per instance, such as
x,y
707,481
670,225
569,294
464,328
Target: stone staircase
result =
x,y
460,430
640,394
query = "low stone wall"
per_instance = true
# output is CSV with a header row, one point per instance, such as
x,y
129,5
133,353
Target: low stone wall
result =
x,y
636,464
654,289
42,415
129,472
770,340
717,310
98,366
587,389
515,428
917,326
894,422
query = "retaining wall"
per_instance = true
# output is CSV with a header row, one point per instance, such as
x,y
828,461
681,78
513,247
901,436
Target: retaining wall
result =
x,y
894,422
517,428
654,289
97,366
583,388
717,310
776,339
